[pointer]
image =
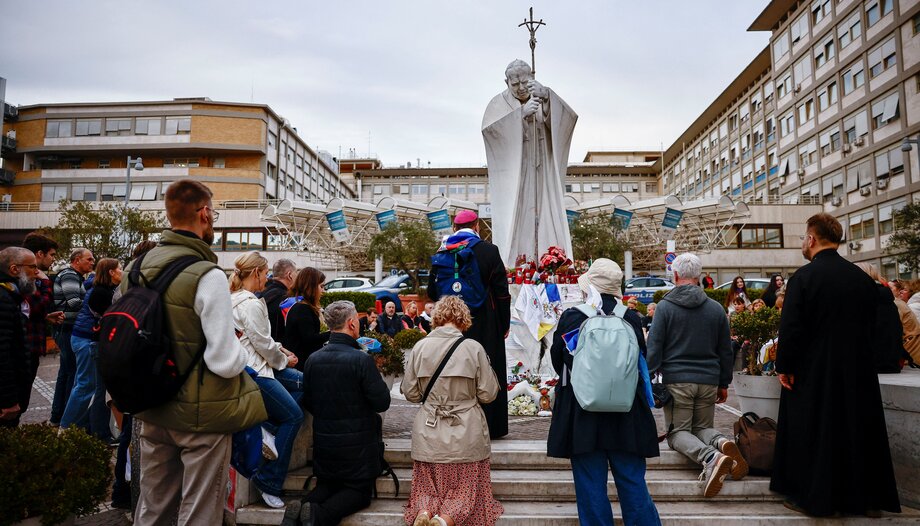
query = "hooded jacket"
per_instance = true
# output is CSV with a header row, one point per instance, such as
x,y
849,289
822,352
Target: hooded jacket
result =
x,y
690,340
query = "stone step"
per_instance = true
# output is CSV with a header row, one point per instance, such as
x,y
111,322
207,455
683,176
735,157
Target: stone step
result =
x,y
531,455
559,486
388,512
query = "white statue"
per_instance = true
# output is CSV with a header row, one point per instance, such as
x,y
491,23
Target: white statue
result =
x,y
527,173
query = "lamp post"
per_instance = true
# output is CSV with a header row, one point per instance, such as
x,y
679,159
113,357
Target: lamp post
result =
x,y
906,143
139,166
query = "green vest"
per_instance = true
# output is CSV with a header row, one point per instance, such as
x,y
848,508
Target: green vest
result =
x,y
207,403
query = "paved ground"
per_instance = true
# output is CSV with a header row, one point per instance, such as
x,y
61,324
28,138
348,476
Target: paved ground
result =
x,y
397,424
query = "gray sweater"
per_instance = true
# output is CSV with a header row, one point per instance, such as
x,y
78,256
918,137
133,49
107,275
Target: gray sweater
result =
x,y
690,340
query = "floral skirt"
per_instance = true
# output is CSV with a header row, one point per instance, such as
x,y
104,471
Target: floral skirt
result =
x,y
462,492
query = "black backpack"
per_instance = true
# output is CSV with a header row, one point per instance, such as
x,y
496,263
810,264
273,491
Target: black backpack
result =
x,y
136,356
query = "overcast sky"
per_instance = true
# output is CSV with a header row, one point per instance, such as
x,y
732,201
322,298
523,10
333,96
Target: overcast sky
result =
x,y
403,80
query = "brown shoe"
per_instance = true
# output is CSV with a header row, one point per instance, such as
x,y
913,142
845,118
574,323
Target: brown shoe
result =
x,y
739,465
422,519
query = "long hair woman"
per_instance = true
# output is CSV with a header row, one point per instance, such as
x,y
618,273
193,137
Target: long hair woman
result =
x,y
737,290
266,356
451,482
769,295
301,330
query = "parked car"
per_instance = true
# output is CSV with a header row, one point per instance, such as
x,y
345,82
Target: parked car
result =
x,y
644,288
388,289
347,284
749,283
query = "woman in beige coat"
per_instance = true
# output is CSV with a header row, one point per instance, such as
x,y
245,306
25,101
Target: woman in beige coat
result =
x,y
451,483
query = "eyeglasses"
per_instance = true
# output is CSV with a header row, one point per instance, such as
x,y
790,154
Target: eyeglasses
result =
x,y
802,238
215,215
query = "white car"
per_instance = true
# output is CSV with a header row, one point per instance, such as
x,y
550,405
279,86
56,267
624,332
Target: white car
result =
x,y
347,284
749,283
644,288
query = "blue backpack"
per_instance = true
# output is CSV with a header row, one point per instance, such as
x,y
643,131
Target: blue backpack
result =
x,y
456,272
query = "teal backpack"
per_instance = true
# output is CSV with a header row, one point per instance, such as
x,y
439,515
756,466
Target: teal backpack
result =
x,y
605,366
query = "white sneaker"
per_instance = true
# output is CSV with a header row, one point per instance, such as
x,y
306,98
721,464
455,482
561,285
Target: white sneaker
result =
x,y
272,501
269,451
714,473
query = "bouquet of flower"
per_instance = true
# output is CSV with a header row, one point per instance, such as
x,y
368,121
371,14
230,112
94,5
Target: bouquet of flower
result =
x,y
522,405
554,261
553,267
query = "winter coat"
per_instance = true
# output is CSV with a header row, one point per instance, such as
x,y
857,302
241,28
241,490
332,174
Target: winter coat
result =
x,y
13,352
574,431
451,427
250,316
301,333
273,294
389,325
344,391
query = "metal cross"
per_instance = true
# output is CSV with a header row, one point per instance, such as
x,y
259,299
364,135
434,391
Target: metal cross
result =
x,y
532,26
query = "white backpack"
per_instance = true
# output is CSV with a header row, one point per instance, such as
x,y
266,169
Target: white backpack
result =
x,y
605,367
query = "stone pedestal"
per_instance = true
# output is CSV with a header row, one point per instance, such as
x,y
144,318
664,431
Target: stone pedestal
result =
x,y
901,399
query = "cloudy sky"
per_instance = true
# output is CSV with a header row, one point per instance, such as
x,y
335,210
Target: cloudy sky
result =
x,y
402,80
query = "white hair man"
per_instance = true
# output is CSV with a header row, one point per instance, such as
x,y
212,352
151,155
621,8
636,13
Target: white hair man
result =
x,y
691,347
276,289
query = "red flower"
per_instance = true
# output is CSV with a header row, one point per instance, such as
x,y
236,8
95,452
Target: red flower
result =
x,y
520,364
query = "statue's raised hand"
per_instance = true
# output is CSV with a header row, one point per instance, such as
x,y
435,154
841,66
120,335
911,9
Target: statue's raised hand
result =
x,y
537,90
531,107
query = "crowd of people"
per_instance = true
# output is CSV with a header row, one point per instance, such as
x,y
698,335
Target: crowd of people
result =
x,y
264,364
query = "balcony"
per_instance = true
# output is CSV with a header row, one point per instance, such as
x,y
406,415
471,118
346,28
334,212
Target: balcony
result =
x,y
9,145
10,113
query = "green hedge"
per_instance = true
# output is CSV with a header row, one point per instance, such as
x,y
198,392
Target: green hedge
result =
x,y
362,300
717,294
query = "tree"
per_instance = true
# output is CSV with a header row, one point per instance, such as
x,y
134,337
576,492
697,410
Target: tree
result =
x,y
407,245
109,230
595,237
905,241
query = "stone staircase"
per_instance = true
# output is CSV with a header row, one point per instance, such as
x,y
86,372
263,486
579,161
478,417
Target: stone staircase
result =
x,y
538,490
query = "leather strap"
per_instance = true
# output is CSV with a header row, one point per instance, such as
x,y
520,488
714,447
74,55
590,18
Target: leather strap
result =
x,y
440,368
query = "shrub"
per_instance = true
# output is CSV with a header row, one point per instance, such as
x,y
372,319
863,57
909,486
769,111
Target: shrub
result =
x,y
408,338
754,329
49,474
362,300
390,358
719,295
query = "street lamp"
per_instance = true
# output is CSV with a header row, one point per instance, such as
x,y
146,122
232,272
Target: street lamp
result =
x,y
906,143
139,166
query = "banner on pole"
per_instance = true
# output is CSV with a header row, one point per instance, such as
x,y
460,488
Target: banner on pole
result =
x,y
572,216
621,218
338,226
671,221
385,218
440,222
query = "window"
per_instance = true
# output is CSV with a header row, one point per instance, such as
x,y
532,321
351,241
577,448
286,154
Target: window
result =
x,y
83,192
477,189
829,140
629,187
147,126
733,122
808,153
58,129
771,129
104,163
53,193
784,85
827,96
456,189
180,163
856,126
916,23
272,140
825,52
859,176
886,216
799,29
117,127
178,125
756,105
820,10
882,58
787,124
853,77
832,186
652,188
885,110
112,192
875,10
88,127
379,189
862,226
420,189
760,236
242,241
143,192
849,31
611,187
218,162
801,71
889,163
781,46
806,111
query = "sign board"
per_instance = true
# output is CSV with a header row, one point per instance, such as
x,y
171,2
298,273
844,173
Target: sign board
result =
x,y
571,215
440,222
621,218
385,218
671,221
669,258
485,211
337,225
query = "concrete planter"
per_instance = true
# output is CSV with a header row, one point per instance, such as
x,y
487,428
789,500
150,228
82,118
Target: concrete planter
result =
x,y
758,394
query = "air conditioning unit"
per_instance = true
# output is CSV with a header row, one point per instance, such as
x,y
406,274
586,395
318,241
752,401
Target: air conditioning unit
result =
x,y
859,141
847,147
836,201
866,190
798,88
735,162
855,245
882,184
800,171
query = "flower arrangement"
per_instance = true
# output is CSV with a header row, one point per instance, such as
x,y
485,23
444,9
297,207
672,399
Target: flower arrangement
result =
x,y
390,357
522,405
757,333
554,267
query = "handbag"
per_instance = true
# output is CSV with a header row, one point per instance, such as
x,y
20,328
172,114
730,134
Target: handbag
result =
x,y
660,393
756,438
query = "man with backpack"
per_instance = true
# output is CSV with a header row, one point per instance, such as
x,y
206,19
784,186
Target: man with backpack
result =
x,y
185,442
594,439
472,268
690,345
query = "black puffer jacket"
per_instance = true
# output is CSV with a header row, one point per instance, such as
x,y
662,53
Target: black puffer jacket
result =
x,y
274,292
344,392
13,352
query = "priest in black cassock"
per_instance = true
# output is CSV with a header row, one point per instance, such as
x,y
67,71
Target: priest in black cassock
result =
x,y
492,320
832,452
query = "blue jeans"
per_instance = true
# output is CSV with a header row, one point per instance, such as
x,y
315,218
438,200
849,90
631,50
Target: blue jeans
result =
x,y
285,413
87,400
590,470
65,375
292,380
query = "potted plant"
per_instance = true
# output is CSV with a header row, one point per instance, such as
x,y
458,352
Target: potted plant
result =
x,y
757,385
49,477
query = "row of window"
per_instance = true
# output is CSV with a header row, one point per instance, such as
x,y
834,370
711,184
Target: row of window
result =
x,y
101,192
56,128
